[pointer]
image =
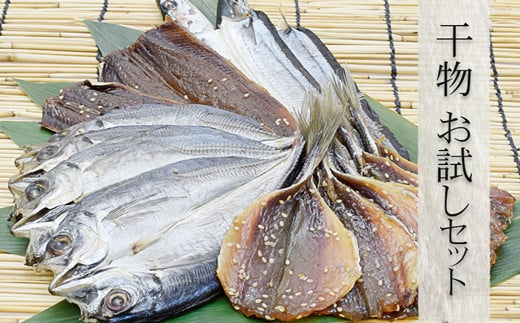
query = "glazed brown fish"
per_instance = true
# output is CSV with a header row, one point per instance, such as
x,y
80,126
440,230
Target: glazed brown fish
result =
x,y
173,58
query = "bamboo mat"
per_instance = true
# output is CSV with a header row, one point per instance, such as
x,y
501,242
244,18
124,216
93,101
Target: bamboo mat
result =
x,y
45,40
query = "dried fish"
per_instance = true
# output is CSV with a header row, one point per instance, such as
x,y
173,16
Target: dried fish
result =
x,y
172,52
91,169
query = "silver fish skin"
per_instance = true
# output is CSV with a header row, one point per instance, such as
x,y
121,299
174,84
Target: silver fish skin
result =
x,y
87,239
312,54
253,45
182,114
194,239
48,156
44,156
93,168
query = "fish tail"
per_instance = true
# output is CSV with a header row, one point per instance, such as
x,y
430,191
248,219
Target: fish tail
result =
x,y
319,120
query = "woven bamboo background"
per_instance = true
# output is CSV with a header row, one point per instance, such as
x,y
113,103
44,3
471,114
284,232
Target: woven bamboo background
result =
x,y
45,40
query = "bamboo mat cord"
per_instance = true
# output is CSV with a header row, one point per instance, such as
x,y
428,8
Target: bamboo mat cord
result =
x,y
297,13
101,17
393,73
500,104
4,14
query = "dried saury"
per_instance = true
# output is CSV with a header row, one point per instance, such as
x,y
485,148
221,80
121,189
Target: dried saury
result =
x,y
241,159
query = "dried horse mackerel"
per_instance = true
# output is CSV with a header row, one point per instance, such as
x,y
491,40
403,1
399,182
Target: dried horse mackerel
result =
x,y
134,222
349,159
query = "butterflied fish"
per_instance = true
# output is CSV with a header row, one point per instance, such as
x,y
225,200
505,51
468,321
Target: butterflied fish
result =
x,y
172,52
157,114
194,239
87,238
92,169
84,101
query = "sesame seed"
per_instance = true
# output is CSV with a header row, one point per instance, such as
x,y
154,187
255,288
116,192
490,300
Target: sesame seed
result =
x,y
229,244
264,260
303,304
271,260
185,97
237,228
215,88
396,268
284,215
61,97
286,121
246,95
236,307
238,246
265,296
224,79
210,80
281,223
380,282
254,284
258,300
339,309
280,308
259,253
267,317
136,87
281,202
313,305
287,262
278,121
297,293
291,272
92,99
321,299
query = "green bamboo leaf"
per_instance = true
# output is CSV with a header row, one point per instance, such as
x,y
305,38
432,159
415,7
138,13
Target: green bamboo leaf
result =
x,y
25,133
209,8
62,312
8,243
508,261
110,37
39,92
405,131
218,310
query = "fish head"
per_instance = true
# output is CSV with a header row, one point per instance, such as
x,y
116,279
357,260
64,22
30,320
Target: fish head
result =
x,y
29,162
78,240
107,294
186,14
57,187
234,8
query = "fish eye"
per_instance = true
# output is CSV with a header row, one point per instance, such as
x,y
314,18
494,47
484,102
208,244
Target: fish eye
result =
x,y
58,136
36,189
117,300
59,244
169,5
46,153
